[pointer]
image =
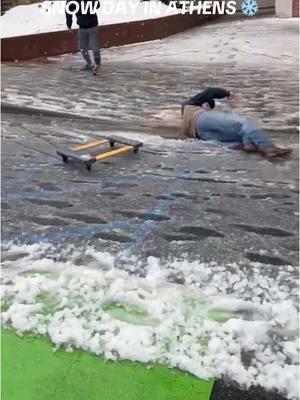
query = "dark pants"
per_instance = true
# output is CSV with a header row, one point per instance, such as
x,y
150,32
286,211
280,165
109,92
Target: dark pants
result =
x,y
89,40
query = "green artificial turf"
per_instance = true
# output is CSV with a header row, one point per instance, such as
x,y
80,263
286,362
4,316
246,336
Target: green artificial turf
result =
x,y
31,370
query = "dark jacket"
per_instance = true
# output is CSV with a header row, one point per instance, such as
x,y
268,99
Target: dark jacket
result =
x,y
207,96
87,19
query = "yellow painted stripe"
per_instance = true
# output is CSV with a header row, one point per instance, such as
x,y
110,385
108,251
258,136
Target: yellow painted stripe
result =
x,y
108,154
90,145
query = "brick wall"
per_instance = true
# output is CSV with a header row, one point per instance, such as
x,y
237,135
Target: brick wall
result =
x,y
295,8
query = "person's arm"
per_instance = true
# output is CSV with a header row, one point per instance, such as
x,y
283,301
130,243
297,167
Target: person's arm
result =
x,y
69,16
207,96
216,93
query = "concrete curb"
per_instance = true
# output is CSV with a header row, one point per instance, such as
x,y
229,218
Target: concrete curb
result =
x,y
102,123
40,112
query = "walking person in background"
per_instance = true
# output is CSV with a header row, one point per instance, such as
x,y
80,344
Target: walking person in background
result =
x,y
88,34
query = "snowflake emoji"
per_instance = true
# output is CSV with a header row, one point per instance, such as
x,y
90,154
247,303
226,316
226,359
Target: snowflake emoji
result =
x,y
250,7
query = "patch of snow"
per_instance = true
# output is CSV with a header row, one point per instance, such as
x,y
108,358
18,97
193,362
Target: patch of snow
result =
x,y
272,41
50,16
197,327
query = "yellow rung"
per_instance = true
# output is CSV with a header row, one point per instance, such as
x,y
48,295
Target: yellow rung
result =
x,y
89,145
112,153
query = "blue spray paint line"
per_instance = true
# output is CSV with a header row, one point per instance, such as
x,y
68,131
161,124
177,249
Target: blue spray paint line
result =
x,y
77,232
42,194
145,229
68,233
14,181
10,197
86,231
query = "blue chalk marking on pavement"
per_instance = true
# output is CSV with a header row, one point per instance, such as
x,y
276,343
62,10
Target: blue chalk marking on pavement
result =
x,y
10,197
75,232
67,233
145,228
11,182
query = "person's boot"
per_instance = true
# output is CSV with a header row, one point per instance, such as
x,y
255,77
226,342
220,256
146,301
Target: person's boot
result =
x,y
247,148
274,152
87,67
250,148
96,70
236,146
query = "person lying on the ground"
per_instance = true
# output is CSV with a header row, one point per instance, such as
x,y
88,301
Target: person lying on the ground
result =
x,y
200,122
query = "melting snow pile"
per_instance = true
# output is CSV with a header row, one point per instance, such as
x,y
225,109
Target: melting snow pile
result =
x,y
110,312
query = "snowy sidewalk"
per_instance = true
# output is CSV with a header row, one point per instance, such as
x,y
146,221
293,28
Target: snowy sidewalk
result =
x,y
256,59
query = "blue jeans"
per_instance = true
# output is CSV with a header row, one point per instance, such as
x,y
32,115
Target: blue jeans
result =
x,y
230,128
